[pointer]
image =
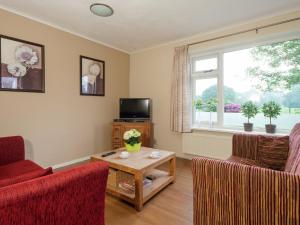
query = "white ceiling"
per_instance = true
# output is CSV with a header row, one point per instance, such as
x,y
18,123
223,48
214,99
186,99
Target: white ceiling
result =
x,y
139,24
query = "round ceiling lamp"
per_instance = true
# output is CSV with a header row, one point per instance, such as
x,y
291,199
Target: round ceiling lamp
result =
x,y
101,9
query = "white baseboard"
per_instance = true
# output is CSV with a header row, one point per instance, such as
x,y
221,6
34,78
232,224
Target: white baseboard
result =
x,y
64,164
185,156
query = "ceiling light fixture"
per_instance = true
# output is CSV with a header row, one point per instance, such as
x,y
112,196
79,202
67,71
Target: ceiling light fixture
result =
x,y
101,9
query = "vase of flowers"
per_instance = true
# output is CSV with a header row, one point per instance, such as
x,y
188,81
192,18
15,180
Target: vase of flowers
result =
x,y
132,140
271,110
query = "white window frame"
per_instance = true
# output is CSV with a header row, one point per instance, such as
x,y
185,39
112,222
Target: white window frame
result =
x,y
219,74
207,75
204,73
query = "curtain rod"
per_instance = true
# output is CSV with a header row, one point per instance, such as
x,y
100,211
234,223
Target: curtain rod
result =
x,y
245,31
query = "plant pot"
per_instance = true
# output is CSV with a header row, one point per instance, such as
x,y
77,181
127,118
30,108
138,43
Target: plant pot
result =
x,y
248,126
270,128
133,148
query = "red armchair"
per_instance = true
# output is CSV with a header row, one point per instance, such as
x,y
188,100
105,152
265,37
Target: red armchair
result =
x,y
258,185
71,197
11,150
13,167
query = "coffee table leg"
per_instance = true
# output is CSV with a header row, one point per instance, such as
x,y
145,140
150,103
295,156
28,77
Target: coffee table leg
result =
x,y
172,168
139,191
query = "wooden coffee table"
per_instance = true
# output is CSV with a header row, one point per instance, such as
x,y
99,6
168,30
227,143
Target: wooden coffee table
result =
x,y
139,165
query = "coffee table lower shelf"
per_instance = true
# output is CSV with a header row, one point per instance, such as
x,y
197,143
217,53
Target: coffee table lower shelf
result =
x,y
163,179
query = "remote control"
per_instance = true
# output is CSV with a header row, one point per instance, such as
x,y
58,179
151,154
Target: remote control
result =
x,y
151,177
107,154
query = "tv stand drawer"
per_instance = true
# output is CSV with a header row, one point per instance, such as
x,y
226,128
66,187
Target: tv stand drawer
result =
x,y
119,128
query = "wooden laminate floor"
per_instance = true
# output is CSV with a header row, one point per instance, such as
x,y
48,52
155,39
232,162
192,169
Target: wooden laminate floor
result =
x,y
172,206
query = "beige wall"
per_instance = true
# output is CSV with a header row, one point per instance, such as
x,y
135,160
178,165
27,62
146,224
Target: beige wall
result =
x,y
150,76
61,125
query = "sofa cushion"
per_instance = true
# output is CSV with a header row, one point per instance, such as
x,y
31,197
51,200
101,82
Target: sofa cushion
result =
x,y
273,151
21,171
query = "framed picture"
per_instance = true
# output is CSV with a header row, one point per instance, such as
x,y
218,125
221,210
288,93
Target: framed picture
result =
x,y
92,76
22,65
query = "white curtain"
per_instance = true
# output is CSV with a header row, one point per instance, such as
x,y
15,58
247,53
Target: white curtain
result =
x,y
181,92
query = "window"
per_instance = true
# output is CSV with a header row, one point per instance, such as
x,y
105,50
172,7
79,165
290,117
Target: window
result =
x,y
263,73
205,81
206,65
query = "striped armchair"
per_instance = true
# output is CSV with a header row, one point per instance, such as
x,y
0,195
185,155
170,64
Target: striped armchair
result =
x,y
258,185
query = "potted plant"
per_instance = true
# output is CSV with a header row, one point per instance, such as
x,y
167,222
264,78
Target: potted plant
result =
x,y
271,110
249,110
132,140
198,104
211,106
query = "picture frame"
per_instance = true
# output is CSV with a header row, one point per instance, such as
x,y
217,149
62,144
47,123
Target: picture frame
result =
x,y
92,76
22,65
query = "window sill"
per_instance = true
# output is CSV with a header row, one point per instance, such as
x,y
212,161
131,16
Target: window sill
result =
x,y
238,131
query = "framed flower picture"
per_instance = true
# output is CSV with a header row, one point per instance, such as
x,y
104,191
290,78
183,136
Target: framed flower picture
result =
x,y
22,65
92,76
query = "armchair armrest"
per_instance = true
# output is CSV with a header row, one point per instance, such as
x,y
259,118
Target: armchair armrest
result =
x,y
73,197
221,192
11,149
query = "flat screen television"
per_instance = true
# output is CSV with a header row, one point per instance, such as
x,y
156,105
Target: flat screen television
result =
x,y
135,108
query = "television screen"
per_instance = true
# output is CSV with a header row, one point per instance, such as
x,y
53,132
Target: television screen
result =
x,y
134,108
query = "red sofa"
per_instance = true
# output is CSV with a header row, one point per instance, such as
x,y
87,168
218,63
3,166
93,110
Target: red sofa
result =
x,y
71,197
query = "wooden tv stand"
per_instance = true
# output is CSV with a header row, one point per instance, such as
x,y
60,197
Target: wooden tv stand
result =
x,y
119,128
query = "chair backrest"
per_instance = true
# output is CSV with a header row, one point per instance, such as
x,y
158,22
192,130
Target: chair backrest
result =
x,y
293,161
11,149
245,146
